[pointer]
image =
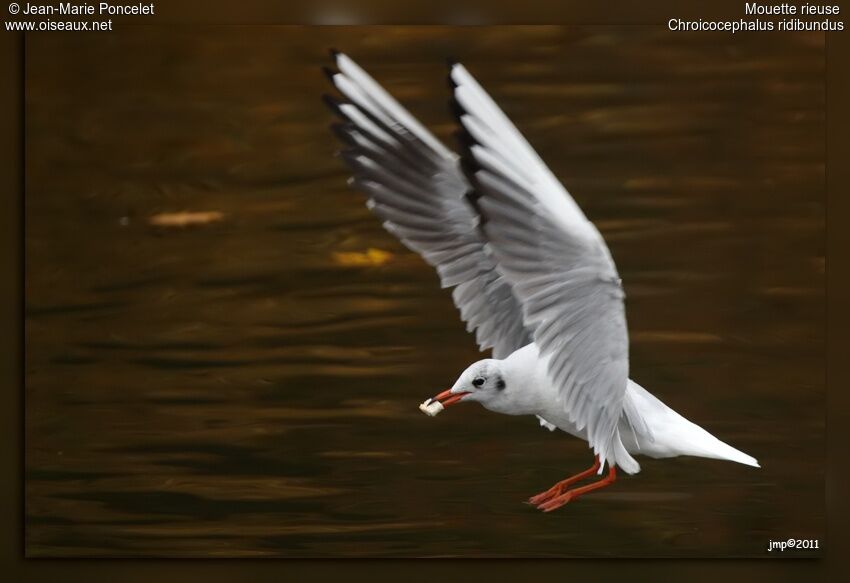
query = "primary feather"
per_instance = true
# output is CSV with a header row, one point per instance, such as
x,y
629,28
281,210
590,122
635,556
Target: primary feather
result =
x,y
417,188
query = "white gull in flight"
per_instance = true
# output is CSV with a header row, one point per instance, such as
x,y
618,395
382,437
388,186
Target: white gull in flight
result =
x,y
531,275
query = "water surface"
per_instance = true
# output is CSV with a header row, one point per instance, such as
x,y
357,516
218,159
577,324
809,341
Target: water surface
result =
x,y
247,384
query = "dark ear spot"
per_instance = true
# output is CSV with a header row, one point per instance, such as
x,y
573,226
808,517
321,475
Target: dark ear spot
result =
x,y
500,384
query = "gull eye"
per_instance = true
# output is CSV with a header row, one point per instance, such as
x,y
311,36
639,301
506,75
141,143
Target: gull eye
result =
x,y
478,381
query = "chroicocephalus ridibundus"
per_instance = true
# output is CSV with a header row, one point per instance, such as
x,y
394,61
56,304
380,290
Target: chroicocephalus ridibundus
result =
x,y
531,275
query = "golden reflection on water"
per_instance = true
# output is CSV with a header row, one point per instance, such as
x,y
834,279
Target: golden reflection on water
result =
x,y
225,350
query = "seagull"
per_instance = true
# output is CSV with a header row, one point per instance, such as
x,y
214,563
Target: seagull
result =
x,y
532,276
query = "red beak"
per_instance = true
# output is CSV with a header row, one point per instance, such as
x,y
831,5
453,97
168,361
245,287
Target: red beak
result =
x,y
447,398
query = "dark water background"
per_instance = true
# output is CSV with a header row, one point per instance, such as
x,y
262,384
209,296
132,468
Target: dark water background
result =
x,y
244,388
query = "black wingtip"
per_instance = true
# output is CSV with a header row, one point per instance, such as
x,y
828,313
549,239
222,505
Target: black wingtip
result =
x,y
456,109
451,62
349,155
334,53
343,133
329,73
333,104
464,139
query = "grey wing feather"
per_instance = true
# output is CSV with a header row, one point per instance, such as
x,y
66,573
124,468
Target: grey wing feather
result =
x,y
415,185
558,265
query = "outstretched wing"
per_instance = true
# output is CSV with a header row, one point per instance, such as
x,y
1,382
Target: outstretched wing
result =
x,y
417,188
557,263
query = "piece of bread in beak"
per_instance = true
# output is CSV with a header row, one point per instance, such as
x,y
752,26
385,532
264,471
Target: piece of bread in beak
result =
x,y
431,408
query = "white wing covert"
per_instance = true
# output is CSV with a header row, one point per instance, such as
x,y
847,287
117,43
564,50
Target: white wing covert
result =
x,y
416,186
559,266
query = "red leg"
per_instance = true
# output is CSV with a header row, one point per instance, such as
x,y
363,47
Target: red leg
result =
x,y
561,486
569,495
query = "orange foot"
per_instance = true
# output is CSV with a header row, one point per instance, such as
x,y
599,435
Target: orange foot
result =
x,y
561,499
561,486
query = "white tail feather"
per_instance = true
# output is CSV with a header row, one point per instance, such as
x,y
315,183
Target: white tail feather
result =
x,y
704,444
673,435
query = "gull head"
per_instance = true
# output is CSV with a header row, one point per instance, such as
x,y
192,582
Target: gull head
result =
x,y
482,381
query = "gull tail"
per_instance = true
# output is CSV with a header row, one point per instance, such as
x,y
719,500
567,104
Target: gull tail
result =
x,y
711,447
673,435
696,441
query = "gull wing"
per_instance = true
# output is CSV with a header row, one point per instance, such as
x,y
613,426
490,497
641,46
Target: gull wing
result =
x,y
558,264
417,188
